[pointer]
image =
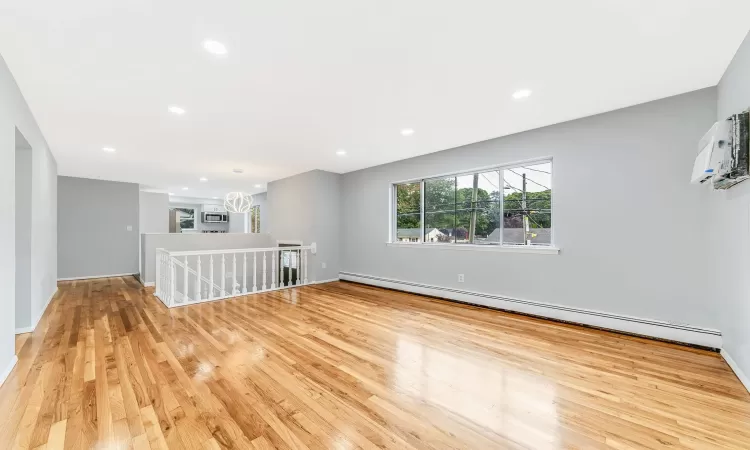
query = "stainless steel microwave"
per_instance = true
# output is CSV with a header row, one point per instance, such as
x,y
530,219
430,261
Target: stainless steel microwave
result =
x,y
215,217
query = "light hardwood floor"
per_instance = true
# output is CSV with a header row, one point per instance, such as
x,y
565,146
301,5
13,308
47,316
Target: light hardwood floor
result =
x,y
347,366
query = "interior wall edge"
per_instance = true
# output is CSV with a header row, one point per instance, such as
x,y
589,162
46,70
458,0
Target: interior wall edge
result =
x,y
90,277
39,316
744,379
325,281
687,334
5,373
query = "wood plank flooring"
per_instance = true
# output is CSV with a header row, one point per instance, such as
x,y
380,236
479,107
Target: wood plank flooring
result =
x,y
345,366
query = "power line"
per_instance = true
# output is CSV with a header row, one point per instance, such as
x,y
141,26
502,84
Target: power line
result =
x,y
488,180
537,170
525,212
529,179
513,187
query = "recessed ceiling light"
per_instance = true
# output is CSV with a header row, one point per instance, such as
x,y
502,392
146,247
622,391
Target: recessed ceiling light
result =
x,y
258,185
109,149
237,170
523,93
217,48
171,193
214,198
176,110
203,179
185,188
407,132
341,152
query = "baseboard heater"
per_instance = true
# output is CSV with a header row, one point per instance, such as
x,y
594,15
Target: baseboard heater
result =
x,y
667,331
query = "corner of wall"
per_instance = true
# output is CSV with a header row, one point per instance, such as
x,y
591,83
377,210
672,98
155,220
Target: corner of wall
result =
x,y
728,233
741,375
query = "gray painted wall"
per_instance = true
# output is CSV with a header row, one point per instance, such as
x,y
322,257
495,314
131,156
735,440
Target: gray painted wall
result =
x,y
729,232
306,207
625,216
23,232
196,241
92,227
153,212
153,216
15,113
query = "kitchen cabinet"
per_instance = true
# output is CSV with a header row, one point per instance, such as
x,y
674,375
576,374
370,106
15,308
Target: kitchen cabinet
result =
x,y
214,208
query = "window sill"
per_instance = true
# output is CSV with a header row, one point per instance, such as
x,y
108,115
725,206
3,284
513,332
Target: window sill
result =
x,y
543,250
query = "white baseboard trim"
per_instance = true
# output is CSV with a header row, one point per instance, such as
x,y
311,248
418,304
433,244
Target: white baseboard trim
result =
x,y
38,317
736,368
635,325
8,370
325,281
91,277
149,284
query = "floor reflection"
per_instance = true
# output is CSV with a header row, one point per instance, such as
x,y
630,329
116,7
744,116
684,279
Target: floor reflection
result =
x,y
507,401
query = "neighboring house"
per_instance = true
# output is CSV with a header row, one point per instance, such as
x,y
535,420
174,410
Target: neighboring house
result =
x,y
515,235
413,234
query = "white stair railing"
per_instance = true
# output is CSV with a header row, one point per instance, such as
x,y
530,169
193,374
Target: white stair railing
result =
x,y
181,277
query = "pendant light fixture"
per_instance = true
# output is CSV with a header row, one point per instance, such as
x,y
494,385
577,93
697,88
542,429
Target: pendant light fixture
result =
x,y
238,202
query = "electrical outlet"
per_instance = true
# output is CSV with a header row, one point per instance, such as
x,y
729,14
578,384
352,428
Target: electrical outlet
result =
x,y
129,228
460,278
323,265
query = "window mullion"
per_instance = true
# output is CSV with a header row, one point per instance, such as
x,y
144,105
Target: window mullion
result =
x,y
421,210
394,212
455,212
501,178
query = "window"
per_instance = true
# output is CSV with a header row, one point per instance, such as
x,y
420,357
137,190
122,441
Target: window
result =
x,y
289,259
510,205
408,212
186,218
255,219
527,205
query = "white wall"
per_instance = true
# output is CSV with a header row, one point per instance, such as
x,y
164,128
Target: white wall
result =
x,y
729,232
15,113
306,207
239,222
628,222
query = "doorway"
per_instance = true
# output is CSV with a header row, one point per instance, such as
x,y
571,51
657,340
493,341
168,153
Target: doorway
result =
x,y
288,264
23,233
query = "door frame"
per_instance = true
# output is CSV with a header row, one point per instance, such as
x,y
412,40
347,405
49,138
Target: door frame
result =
x,y
292,272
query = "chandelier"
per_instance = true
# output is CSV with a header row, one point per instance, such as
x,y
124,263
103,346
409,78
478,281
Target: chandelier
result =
x,y
238,202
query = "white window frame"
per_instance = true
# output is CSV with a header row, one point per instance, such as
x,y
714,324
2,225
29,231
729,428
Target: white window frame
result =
x,y
195,217
499,247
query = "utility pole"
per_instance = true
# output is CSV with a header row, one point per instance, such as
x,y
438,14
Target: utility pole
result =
x,y
526,233
473,225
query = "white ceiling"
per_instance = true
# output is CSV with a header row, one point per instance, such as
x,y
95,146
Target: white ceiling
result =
x,y
303,79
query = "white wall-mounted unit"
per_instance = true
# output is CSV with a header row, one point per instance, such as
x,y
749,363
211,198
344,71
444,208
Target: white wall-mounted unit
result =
x,y
711,154
735,145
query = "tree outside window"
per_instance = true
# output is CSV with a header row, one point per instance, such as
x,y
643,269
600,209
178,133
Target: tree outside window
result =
x,y
509,205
